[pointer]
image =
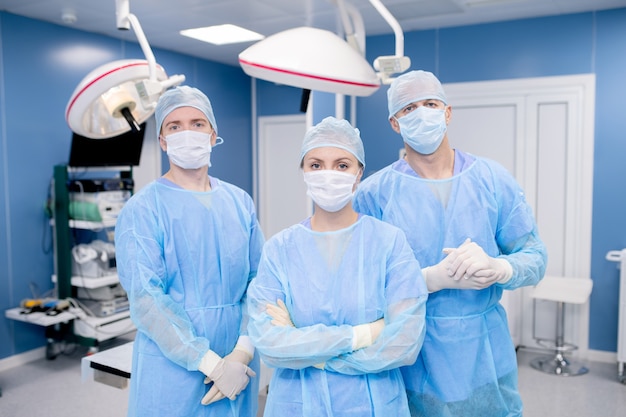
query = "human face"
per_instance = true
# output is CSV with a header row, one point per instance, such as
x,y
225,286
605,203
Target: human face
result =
x,y
331,175
185,118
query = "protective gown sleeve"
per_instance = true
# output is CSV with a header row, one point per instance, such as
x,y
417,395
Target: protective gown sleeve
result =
x,y
401,340
257,240
142,273
517,235
296,348
284,346
398,344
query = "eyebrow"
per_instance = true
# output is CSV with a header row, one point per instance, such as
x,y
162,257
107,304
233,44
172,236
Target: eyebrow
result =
x,y
192,121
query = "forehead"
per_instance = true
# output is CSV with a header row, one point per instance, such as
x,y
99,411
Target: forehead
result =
x,y
184,113
329,153
422,102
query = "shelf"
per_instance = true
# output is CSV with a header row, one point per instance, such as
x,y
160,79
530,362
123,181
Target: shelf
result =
x,y
98,328
40,319
104,328
85,225
89,282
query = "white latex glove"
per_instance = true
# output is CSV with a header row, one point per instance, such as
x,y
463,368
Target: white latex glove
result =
x,y
214,394
279,314
229,376
437,276
473,268
365,335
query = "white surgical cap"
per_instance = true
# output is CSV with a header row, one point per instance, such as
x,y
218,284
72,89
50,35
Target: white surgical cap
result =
x,y
411,87
336,133
183,96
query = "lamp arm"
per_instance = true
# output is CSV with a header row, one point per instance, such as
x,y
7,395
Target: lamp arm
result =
x,y
145,47
355,35
124,18
397,30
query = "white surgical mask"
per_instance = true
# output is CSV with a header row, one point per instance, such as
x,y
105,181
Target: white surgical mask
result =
x,y
423,129
331,190
189,149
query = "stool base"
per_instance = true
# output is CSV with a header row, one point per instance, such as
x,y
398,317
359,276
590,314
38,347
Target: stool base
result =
x,y
558,365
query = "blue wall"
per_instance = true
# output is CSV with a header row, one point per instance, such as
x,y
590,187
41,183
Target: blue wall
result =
x,y
39,71
563,45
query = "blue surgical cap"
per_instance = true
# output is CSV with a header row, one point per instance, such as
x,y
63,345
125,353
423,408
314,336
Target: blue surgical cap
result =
x,y
336,133
183,96
411,87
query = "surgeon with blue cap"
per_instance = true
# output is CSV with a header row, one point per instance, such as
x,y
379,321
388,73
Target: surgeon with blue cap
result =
x,y
339,300
187,247
474,234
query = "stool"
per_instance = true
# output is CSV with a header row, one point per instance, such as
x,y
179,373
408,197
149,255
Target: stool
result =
x,y
561,290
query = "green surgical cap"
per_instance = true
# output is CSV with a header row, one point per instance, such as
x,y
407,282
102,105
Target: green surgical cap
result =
x,y
336,133
411,87
183,96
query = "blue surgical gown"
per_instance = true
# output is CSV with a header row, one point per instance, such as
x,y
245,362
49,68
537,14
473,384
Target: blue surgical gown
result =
x,y
185,259
467,366
330,282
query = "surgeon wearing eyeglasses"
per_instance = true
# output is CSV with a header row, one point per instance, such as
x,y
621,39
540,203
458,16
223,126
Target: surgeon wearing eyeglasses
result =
x,y
338,302
472,230
188,245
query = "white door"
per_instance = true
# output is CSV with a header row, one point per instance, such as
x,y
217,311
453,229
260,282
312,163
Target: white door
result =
x,y
541,130
282,199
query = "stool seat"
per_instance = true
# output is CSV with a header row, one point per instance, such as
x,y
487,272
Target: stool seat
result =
x,y
561,290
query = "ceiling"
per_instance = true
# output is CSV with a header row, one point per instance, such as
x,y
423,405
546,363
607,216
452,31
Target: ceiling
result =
x,y
161,20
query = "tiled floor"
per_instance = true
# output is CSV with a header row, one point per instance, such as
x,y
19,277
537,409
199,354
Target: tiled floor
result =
x,y
53,388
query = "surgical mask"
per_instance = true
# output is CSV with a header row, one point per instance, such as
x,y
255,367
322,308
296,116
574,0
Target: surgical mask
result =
x,y
331,190
423,129
189,149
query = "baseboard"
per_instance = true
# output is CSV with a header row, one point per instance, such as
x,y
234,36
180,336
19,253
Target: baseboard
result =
x,y
602,356
22,358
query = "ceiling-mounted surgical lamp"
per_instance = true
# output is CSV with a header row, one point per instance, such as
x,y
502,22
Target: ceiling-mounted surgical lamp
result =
x,y
312,59
119,96
316,59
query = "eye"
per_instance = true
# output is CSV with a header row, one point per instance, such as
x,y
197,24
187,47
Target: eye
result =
x,y
315,165
343,166
409,108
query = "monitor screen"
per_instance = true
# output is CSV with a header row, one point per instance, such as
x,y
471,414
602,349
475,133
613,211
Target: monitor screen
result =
x,y
122,150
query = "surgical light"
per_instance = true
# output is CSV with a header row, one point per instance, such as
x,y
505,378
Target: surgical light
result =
x,y
316,59
310,58
119,96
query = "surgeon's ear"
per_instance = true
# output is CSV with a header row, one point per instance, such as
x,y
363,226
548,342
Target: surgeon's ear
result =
x,y
448,114
394,124
358,179
163,143
213,138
